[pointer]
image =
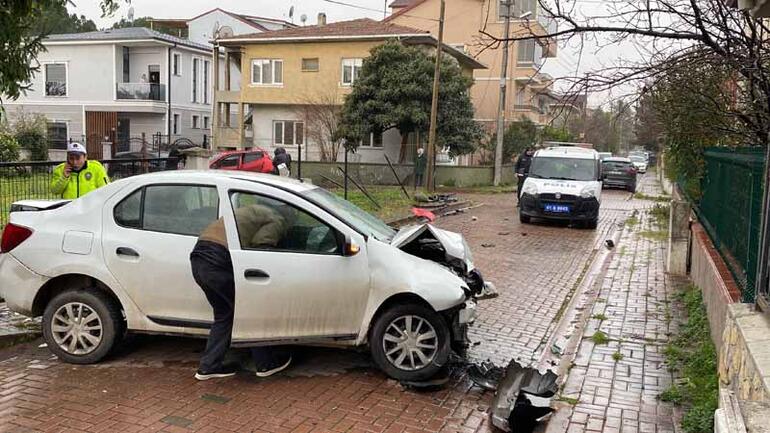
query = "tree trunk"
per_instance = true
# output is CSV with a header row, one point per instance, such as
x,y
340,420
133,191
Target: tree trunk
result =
x,y
402,151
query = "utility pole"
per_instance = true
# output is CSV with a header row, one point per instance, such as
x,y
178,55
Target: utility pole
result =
x,y
508,8
434,105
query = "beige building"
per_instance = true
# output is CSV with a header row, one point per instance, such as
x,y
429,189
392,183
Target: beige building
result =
x,y
528,89
288,75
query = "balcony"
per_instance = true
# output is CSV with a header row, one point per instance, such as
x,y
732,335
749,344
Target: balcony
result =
x,y
141,91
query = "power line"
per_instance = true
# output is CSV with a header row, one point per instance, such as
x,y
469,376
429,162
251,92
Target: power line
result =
x,y
380,11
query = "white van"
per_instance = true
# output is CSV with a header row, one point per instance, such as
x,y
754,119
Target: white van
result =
x,y
564,183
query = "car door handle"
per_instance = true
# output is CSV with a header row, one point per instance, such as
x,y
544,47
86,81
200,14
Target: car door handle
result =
x,y
255,273
125,251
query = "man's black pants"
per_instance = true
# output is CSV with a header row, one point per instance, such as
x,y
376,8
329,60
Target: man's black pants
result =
x,y
212,269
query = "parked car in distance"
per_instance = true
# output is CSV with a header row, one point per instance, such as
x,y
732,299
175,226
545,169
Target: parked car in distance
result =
x,y
605,155
640,162
117,260
132,162
564,183
619,172
254,160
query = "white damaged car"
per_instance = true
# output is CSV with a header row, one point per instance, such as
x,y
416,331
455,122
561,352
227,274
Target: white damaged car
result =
x,y
117,261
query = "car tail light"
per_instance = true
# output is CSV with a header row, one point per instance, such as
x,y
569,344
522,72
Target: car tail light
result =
x,y
13,235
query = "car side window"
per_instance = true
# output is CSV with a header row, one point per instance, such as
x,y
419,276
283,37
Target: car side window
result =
x,y
128,213
252,156
264,223
229,162
177,209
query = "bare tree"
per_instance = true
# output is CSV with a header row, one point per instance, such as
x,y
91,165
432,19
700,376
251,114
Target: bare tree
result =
x,y
321,114
663,35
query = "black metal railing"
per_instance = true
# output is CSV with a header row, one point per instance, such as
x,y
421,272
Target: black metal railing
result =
x,y
32,180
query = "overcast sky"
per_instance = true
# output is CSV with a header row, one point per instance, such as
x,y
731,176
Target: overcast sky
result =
x,y
568,63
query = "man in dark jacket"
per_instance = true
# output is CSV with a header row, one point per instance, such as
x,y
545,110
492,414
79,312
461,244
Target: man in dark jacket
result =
x,y
419,167
522,168
281,157
258,226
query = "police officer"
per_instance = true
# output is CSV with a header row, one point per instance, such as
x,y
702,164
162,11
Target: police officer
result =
x,y
77,176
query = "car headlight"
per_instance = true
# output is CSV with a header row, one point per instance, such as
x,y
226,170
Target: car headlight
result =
x,y
588,192
529,188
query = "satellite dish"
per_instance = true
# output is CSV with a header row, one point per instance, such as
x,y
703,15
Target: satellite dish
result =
x,y
131,14
226,32
303,18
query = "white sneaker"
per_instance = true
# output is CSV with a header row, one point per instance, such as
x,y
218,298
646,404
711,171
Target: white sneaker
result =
x,y
268,373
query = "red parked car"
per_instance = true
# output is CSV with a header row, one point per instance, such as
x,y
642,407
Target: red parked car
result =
x,y
256,160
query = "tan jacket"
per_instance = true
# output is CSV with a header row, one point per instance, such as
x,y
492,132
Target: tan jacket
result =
x,y
258,226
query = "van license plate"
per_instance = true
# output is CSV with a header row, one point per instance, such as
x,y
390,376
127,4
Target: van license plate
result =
x,y
557,208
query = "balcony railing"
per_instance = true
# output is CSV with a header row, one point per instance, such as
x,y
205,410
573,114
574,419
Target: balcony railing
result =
x,y
141,91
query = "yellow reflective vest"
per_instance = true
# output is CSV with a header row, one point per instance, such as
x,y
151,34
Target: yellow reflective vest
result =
x,y
91,176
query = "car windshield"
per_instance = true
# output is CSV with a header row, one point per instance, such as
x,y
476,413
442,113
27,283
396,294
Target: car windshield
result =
x,y
636,158
563,168
352,214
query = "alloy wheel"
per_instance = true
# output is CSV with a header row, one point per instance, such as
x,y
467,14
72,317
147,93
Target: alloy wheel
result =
x,y
76,328
410,343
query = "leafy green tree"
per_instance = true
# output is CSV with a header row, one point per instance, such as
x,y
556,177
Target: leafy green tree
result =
x,y
30,131
21,40
56,20
551,133
9,147
394,90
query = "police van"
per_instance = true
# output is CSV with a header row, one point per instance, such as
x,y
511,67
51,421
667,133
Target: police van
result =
x,y
564,183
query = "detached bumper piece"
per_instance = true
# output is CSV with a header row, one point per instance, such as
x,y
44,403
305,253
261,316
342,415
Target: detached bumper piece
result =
x,y
523,397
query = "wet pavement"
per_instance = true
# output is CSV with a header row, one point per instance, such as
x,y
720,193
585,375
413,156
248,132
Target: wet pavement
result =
x,y
148,384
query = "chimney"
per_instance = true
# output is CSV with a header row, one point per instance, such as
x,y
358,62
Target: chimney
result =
x,y
321,19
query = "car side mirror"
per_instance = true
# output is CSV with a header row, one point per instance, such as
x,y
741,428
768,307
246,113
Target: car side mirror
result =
x,y
350,248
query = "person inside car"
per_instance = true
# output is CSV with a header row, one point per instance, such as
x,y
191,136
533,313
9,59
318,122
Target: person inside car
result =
x,y
259,226
77,176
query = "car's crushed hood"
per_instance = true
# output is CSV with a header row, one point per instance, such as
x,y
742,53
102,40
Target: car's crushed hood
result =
x,y
433,243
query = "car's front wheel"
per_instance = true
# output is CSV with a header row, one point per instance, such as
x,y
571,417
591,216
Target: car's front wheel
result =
x,y
81,326
410,342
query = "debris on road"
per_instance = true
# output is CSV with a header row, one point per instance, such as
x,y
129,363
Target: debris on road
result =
x,y
523,397
485,245
610,243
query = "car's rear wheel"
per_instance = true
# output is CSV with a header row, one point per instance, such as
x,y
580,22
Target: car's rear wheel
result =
x,y
592,224
524,219
82,326
410,342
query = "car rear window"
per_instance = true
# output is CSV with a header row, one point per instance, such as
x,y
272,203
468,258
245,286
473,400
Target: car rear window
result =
x,y
616,165
176,209
252,156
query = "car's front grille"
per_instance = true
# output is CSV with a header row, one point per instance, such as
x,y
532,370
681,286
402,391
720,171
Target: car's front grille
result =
x,y
563,198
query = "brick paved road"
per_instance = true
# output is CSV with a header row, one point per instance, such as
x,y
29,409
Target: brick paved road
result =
x,y
148,385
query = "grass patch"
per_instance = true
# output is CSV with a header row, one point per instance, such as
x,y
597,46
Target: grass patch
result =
x,y
569,400
660,214
392,200
617,356
633,220
693,356
654,235
643,196
600,337
22,187
599,317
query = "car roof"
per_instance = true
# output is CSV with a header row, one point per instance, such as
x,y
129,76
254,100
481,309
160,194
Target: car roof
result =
x,y
280,182
240,151
617,159
568,152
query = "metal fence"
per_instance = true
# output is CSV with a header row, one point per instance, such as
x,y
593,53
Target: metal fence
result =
x,y
32,180
730,209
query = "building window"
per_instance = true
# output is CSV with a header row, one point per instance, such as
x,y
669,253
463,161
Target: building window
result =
x,y
525,52
175,129
206,82
57,135
195,121
373,139
310,65
205,122
351,69
56,79
520,7
288,132
177,60
521,96
267,71
195,79
126,65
